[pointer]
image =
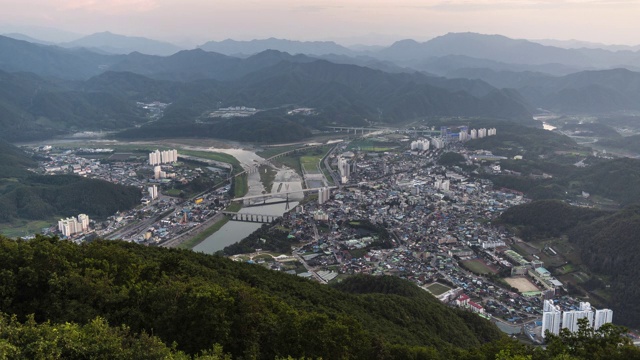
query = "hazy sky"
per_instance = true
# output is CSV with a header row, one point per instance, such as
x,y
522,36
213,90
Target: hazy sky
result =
x,y
608,21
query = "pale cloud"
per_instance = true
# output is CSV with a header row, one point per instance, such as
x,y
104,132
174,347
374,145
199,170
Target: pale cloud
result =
x,y
610,21
479,5
109,7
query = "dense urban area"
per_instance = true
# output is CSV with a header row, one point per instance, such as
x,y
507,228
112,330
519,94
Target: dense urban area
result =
x,y
404,203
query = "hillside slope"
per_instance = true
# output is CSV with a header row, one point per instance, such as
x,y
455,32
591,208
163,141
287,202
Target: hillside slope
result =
x,y
198,300
26,196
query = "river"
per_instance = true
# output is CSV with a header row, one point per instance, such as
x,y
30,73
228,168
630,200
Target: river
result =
x,y
234,231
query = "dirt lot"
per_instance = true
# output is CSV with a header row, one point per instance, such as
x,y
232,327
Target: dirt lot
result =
x,y
521,283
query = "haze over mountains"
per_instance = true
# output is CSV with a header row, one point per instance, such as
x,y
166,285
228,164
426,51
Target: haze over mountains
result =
x,y
94,82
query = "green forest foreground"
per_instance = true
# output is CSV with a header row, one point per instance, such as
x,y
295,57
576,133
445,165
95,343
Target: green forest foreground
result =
x,y
116,300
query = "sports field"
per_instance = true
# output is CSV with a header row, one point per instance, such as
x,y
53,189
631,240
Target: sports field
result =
x,y
310,163
479,266
521,283
438,289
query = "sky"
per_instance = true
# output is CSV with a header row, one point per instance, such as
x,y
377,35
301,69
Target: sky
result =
x,y
347,21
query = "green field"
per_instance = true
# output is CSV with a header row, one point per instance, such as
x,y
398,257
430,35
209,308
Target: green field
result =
x,y
240,186
565,269
310,163
216,156
478,267
172,192
371,146
438,289
295,162
24,228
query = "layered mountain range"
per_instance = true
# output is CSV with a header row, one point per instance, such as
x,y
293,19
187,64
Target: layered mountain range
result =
x,y
53,89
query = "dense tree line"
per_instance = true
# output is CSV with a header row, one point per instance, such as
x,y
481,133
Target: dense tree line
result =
x,y
609,246
41,197
547,218
28,196
57,293
606,241
266,238
451,158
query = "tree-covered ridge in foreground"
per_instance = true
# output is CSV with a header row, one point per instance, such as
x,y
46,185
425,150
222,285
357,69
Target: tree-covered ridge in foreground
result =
x,y
64,300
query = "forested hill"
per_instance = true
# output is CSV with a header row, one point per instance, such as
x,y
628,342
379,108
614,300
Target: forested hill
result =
x,y
607,243
63,300
198,300
26,196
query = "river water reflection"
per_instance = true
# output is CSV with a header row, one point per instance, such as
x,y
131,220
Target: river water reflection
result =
x,y
234,231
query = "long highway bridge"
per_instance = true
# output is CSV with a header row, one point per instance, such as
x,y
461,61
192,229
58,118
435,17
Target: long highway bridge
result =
x,y
249,217
278,194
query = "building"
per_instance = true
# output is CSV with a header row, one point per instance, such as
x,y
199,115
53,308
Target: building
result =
x,y
83,219
603,316
420,145
344,169
71,225
153,192
438,143
163,157
570,318
551,317
323,195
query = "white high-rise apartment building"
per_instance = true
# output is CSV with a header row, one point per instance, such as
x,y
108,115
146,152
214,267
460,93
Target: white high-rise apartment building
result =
x,y
153,192
551,317
603,316
437,143
83,219
570,318
420,145
344,169
163,157
323,195
71,225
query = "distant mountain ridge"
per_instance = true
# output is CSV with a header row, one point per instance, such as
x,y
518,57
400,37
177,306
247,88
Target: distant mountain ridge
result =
x,y
234,47
35,108
503,49
598,91
23,37
52,61
121,44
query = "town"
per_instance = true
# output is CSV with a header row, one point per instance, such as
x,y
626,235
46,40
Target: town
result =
x,y
415,209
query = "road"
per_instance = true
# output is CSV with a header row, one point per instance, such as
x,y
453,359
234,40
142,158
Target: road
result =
x,y
171,243
334,176
310,269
